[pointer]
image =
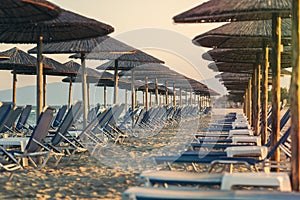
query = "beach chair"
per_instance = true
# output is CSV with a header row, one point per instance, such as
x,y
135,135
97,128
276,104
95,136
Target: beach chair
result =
x,y
9,163
224,181
214,160
59,116
8,123
35,147
62,141
151,193
5,110
22,124
233,137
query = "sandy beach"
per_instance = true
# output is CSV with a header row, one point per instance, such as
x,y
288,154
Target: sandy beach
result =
x,y
104,175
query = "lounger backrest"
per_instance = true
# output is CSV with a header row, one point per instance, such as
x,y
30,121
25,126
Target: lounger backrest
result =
x,y
23,117
102,119
59,116
7,111
14,114
283,139
115,115
40,131
67,122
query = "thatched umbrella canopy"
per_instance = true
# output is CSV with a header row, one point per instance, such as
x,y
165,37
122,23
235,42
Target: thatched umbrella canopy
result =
x,y
140,62
58,69
232,35
152,72
232,67
67,26
24,11
234,10
19,60
92,76
138,56
248,55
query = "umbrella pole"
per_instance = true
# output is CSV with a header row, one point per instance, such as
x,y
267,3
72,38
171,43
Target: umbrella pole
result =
x,y
146,93
174,95
191,97
39,79
116,82
186,98
132,91
84,90
254,95
14,88
156,91
44,89
294,97
264,109
250,100
276,58
167,93
258,104
135,98
88,95
126,98
180,97
105,96
70,93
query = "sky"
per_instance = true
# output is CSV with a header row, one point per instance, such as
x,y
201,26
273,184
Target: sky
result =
x,y
147,25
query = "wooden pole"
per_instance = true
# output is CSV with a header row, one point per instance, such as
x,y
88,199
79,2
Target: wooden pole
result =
x,y
191,97
88,94
70,93
105,96
116,82
295,97
174,95
276,61
156,91
132,91
167,95
146,93
126,99
84,90
39,79
180,97
264,92
246,103
250,100
14,94
254,97
44,90
258,105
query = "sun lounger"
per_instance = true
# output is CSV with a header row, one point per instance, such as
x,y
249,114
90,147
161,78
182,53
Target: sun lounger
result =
x,y
59,116
150,193
22,124
35,147
206,158
225,181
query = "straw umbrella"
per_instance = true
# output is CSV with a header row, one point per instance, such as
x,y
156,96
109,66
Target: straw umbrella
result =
x,y
104,45
149,71
19,60
237,10
92,76
24,11
253,56
66,26
58,69
137,56
131,61
256,27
